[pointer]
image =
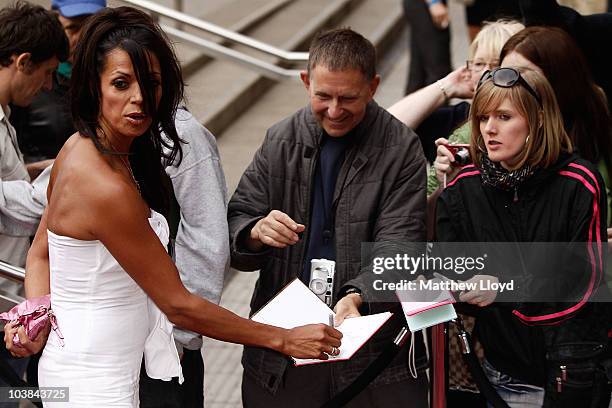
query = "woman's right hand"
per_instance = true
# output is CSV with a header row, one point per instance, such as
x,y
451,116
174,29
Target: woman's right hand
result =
x,y
28,347
459,84
311,341
444,163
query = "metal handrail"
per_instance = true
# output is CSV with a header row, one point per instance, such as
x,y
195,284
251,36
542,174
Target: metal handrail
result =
x,y
211,28
213,49
12,272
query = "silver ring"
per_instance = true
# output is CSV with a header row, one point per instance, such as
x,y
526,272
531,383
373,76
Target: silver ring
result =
x,y
335,351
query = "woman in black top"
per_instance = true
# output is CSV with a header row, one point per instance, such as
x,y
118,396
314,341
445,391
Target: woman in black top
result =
x,y
526,185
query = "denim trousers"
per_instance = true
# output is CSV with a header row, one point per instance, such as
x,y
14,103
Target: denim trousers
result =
x,y
516,393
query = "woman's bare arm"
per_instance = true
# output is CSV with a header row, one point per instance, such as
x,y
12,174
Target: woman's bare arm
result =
x,y
413,109
37,263
118,222
36,284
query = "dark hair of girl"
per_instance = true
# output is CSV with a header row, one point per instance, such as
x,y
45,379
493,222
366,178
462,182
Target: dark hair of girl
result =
x,y
583,105
135,33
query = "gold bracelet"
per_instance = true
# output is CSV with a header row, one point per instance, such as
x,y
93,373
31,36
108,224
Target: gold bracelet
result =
x,y
443,89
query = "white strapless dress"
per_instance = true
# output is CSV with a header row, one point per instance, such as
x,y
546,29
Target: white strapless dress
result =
x,y
107,322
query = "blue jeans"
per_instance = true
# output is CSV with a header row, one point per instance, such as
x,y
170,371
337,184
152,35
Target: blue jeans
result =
x,y
516,393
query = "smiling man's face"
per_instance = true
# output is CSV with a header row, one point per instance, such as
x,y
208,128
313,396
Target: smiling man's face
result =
x,y
339,99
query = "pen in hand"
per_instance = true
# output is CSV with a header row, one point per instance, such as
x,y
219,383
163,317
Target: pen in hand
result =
x,y
335,351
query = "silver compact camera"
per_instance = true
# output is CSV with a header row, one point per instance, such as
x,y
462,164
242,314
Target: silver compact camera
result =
x,y
322,279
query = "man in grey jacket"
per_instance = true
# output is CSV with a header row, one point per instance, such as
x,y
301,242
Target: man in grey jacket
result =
x,y
337,173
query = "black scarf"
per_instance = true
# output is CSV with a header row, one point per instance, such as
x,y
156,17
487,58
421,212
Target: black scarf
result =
x,y
493,174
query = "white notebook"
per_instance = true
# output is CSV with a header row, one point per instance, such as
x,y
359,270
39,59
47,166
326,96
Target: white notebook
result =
x,y
296,305
424,308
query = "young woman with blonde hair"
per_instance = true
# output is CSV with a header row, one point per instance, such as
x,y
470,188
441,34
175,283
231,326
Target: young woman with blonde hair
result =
x,y
527,185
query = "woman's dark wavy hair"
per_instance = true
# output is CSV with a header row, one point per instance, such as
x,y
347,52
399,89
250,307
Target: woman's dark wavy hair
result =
x,y
583,105
134,32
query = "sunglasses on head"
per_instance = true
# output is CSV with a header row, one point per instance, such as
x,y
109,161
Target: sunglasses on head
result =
x,y
507,78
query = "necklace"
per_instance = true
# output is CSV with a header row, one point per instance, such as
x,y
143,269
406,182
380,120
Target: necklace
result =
x,y
125,162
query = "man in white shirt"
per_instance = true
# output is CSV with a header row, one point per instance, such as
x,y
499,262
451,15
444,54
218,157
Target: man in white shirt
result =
x,y
32,42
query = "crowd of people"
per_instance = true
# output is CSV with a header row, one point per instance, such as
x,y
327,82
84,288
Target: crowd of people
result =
x,y
93,96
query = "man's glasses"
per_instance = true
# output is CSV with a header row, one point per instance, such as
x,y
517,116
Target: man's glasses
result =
x,y
507,78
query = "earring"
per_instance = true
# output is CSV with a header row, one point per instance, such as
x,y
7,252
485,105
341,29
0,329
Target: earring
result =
x,y
479,146
527,140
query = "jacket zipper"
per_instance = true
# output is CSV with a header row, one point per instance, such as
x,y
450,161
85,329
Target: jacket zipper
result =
x,y
516,214
563,372
314,161
562,378
515,200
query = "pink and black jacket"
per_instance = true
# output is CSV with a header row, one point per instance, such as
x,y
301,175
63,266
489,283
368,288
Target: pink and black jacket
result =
x,y
563,204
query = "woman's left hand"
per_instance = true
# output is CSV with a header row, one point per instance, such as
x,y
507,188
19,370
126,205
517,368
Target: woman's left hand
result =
x,y
477,296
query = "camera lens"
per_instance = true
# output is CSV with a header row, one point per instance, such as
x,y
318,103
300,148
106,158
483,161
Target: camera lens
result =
x,y
462,157
318,286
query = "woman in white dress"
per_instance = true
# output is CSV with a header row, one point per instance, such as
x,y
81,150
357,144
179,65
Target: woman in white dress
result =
x,y
100,248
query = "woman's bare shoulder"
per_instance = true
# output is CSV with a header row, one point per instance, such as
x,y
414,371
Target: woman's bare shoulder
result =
x,y
84,188
81,168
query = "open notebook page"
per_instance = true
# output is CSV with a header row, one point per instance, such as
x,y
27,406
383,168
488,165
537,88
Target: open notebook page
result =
x,y
296,305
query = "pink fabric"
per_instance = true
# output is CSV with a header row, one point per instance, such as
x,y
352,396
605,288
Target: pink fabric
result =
x,y
433,305
462,175
34,315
